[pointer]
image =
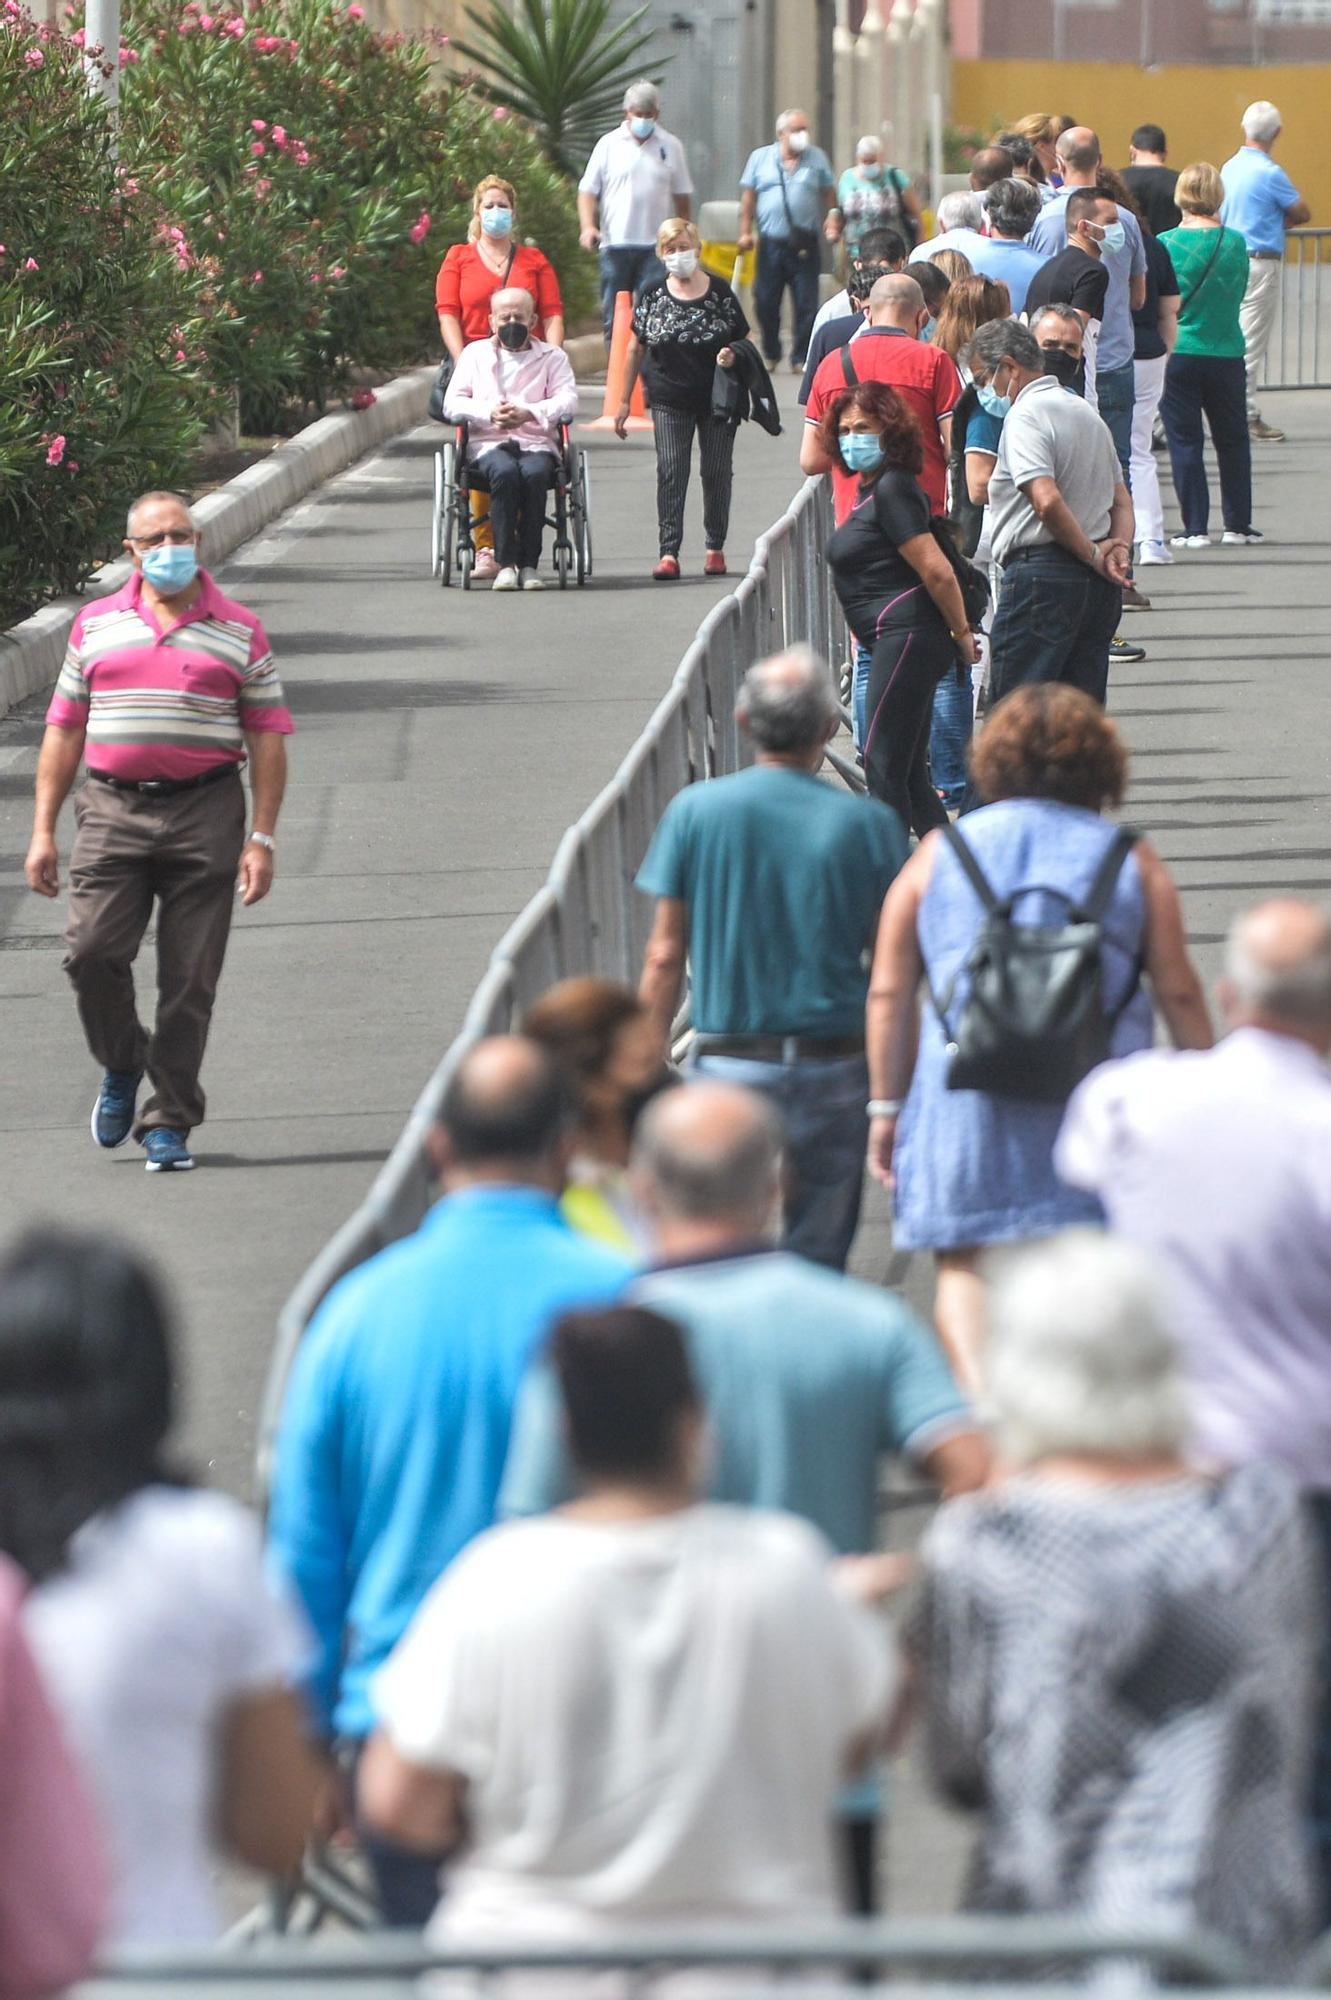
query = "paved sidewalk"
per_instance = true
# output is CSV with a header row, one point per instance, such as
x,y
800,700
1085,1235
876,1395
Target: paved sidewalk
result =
x,y
444,743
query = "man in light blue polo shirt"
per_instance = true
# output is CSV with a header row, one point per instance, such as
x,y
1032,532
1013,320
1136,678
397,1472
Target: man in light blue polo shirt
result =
x,y
1261,202
808,1378
397,1418
788,190
1110,370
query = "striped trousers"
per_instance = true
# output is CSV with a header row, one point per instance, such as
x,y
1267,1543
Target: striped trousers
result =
x,y
674,455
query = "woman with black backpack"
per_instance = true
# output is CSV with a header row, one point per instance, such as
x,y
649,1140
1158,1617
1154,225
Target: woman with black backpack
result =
x,y
1028,927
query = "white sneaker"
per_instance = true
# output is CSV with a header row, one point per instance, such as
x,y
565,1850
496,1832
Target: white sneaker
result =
x,y
530,580
1242,537
1190,541
1152,552
507,579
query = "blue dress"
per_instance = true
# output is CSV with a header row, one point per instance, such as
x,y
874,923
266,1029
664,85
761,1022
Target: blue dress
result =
x,y
973,1168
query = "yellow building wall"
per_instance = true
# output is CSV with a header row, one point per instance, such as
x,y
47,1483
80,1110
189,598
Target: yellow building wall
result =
x,y
1198,105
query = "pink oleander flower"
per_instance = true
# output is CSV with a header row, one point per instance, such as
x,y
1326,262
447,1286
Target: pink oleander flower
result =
x,y
364,399
420,228
256,278
279,136
338,271
300,153
355,13
78,38
180,354
235,28
258,124
128,56
34,59
71,465
316,278
176,233
206,23
500,113
258,149
31,264
55,451
2,249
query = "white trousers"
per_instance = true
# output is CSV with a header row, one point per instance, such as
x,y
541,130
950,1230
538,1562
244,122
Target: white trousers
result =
x,y
1257,316
1148,379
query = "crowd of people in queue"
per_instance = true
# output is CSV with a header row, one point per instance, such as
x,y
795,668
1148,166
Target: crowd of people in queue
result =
x,y
572,1606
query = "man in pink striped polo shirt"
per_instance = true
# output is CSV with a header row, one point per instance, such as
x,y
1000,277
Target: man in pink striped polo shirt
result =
x,y
166,687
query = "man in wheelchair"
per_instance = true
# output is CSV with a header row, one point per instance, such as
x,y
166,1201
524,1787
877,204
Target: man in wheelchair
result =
x,y
512,392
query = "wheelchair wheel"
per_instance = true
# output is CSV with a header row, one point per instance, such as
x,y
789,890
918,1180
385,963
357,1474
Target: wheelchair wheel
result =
x,y
437,516
562,557
466,560
446,484
582,513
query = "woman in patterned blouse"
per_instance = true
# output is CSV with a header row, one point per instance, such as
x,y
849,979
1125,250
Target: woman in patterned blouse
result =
x,y
681,330
1119,1646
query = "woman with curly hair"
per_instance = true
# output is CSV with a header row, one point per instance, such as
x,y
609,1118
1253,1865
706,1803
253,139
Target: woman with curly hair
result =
x,y
898,591
970,1168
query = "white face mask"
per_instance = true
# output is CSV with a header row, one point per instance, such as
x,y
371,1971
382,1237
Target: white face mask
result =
x,y
681,263
798,142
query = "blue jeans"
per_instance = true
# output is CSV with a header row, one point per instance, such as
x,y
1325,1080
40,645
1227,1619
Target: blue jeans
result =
x,y
1054,622
862,660
407,1885
631,267
821,1108
949,738
1116,393
779,268
1213,386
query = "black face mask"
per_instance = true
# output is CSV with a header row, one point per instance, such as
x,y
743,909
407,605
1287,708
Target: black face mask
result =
x,y
637,1100
513,334
1062,366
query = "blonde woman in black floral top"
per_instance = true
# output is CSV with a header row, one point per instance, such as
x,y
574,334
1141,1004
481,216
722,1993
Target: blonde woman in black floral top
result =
x,y
681,330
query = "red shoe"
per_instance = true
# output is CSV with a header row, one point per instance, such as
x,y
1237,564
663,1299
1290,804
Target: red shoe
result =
x,y
715,563
667,570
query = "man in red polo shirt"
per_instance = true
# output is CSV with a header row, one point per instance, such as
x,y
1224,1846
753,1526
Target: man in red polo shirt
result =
x,y
168,685
889,350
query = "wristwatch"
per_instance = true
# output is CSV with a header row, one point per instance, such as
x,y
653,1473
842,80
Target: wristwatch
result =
x,y
262,840
885,1107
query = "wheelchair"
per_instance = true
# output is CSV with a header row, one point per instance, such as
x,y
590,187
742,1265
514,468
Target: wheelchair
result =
x,y
568,501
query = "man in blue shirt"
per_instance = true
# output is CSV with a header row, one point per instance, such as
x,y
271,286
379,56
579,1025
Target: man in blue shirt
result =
x,y
1111,366
397,1418
808,1378
1261,202
769,885
788,189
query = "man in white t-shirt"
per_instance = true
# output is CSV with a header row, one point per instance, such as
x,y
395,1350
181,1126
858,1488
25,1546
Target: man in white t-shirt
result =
x,y
637,177
640,1706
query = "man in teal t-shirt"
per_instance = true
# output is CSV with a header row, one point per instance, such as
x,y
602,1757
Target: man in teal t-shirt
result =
x,y
769,885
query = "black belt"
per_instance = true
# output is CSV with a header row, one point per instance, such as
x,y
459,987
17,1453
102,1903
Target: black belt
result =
x,y
1268,256
780,1048
166,788
1041,549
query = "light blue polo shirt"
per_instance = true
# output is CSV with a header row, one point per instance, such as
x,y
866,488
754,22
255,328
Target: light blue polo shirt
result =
x,y
807,1379
1118,335
1257,193
805,182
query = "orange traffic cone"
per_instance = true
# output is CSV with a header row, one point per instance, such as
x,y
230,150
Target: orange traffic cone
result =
x,y
616,374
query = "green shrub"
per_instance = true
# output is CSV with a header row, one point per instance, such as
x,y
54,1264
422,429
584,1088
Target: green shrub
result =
x,y
101,393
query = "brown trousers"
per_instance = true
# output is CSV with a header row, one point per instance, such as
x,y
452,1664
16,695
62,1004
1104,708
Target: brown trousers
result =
x,y
184,852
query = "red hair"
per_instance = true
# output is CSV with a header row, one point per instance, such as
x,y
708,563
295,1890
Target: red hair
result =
x,y
902,449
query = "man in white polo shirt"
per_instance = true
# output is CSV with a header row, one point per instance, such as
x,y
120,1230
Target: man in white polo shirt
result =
x,y
636,178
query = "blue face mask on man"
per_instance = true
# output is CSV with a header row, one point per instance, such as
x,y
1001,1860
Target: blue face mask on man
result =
x,y
642,128
990,401
862,451
172,568
1114,239
497,221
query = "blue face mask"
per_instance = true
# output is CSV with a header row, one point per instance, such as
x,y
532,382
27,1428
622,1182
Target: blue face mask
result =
x,y
927,330
991,402
497,221
862,451
642,128
172,568
1115,239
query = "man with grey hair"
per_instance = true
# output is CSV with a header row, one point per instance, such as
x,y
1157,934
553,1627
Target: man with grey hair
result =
x,y
768,887
1003,254
1261,202
960,222
1219,1161
636,179
808,1379
168,686
1060,520
787,189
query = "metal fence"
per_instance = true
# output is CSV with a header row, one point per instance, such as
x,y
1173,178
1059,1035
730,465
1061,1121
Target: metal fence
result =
x,y
587,917
1299,355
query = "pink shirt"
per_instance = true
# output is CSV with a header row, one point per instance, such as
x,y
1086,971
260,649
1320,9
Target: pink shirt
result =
x,y
538,375
52,1883
167,704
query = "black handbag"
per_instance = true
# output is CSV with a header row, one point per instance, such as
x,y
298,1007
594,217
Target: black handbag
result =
x,y
804,242
435,407
1035,1020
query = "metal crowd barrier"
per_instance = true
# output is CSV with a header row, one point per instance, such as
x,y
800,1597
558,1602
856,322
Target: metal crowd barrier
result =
x,y
775,1961
1299,356
587,917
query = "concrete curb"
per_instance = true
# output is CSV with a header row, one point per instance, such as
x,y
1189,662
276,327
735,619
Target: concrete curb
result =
x,y
31,653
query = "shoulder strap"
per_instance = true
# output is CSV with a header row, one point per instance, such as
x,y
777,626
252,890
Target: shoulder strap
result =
x,y
972,870
785,198
1107,874
848,367
1210,266
508,268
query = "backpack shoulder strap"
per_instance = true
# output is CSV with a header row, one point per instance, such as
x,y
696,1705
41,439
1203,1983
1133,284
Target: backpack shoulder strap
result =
x,y
972,870
1107,874
848,367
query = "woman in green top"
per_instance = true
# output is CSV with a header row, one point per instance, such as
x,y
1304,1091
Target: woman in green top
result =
x,y
1207,375
873,195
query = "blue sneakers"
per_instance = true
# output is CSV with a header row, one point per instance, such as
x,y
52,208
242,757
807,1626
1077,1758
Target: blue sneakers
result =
x,y
113,1113
167,1151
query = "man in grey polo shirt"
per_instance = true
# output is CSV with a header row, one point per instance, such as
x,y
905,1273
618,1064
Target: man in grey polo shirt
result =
x,y
1060,520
